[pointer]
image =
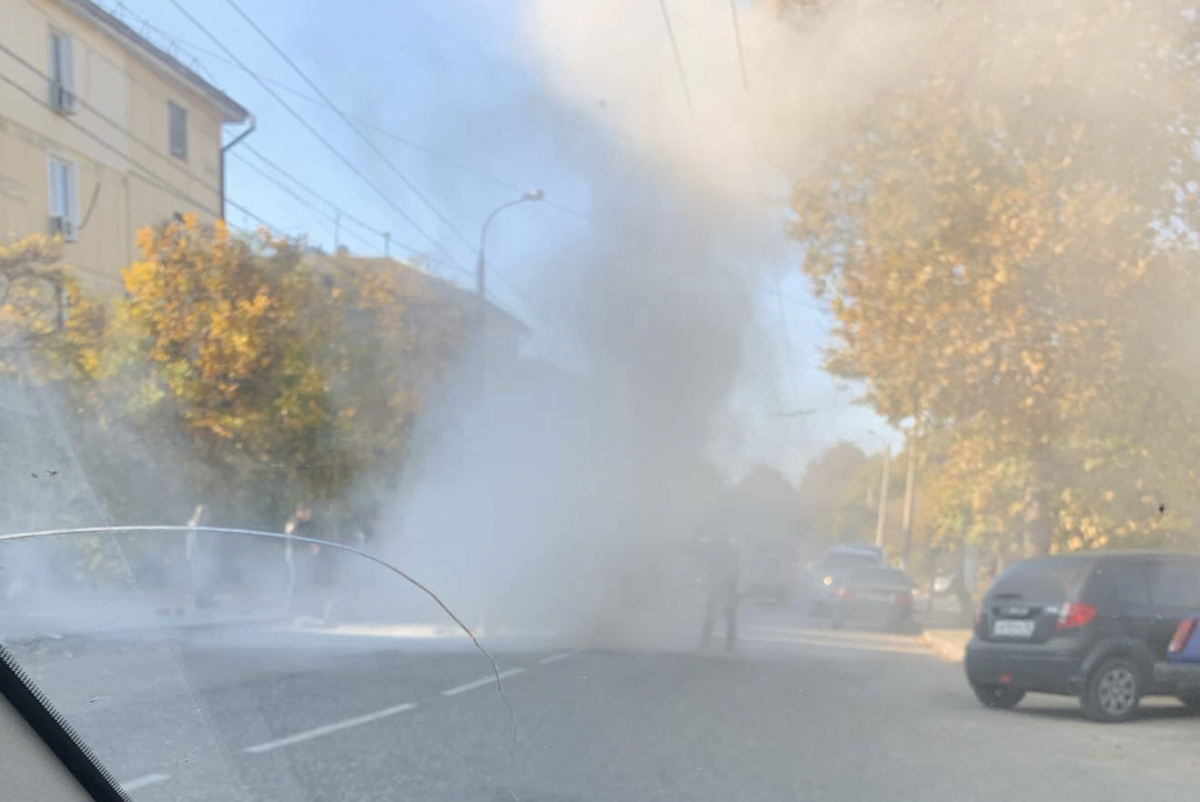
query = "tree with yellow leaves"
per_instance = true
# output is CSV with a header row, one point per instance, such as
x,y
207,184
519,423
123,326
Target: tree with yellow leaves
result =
x,y
230,328
46,322
1007,240
398,332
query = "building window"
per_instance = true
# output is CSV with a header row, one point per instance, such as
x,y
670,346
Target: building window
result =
x,y
178,127
64,199
62,73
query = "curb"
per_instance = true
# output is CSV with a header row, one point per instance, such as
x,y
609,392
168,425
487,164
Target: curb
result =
x,y
949,649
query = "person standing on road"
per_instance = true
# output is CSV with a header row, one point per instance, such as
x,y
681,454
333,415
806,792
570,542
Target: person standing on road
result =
x,y
198,553
295,555
722,593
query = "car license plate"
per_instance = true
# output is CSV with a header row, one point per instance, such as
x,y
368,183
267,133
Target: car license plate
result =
x,y
1005,628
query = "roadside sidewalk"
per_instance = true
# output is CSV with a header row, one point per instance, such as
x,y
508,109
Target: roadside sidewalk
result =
x,y
39,615
943,630
948,644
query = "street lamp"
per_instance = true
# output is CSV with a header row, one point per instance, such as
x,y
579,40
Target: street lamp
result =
x,y
532,195
480,262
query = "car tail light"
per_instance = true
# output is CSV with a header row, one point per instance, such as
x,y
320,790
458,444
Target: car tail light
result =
x,y
1182,633
904,598
1075,614
845,593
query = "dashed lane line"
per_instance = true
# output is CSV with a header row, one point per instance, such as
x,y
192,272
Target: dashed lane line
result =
x,y
317,732
479,683
554,658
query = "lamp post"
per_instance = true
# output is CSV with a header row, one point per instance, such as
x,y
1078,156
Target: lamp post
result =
x,y
532,195
480,260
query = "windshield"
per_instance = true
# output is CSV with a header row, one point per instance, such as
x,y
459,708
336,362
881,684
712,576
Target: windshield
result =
x,y
1042,580
882,576
462,400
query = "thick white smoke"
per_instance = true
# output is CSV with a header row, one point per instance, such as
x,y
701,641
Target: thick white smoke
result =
x,y
564,505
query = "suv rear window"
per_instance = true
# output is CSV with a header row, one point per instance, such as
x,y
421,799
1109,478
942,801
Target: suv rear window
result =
x,y
1047,580
1175,584
1130,587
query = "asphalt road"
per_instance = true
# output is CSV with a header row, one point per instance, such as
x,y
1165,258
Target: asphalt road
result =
x,y
798,712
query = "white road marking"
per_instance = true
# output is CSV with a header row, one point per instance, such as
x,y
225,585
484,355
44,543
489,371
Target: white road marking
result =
x,y
317,732
139,783
554,658
479,683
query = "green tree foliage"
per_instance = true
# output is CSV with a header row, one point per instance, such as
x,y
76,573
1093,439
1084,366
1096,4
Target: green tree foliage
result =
x,y
835,497
1007,242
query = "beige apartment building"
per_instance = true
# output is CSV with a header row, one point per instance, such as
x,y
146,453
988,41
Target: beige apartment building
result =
x,y
101,133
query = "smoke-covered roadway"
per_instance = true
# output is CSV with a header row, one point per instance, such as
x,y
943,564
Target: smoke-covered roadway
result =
x,y
798,712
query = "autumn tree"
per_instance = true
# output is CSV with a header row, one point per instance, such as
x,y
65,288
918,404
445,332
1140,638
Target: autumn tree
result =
x,y
1007,240
397,332
230,327
49,329
832,508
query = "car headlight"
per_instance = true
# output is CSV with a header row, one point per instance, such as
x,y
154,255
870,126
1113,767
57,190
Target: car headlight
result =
x,y
827,580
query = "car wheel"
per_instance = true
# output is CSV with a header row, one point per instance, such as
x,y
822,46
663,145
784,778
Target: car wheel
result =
x,y
1113,691
1190,699
998,696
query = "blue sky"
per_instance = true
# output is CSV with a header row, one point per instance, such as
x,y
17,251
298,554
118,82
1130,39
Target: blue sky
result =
x,y
455,101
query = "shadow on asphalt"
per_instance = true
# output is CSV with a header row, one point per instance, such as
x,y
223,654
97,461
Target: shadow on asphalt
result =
x,y
910,628
1072,712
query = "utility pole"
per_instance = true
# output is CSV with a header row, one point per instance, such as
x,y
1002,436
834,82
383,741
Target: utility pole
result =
x,y
337,230
883,495
910,500
387,244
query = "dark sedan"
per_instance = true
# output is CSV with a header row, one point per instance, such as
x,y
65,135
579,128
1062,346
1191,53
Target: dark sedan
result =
x,y
877,595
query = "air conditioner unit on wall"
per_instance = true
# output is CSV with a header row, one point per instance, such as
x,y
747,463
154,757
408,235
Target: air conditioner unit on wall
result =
x,y
63,99
64,226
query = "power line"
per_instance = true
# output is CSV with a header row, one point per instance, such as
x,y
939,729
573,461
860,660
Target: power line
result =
x,y
410,143
450,160
791,298
139,170
154,178
171,160
263,82
370,143
312,130
687,92
286,174
737,38
279,176
146,174
349,124
326,216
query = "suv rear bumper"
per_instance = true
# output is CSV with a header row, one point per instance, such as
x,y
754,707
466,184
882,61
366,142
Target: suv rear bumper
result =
x,y
1023,667
1183,676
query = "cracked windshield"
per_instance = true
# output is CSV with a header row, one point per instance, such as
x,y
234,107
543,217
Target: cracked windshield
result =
x,y
549,400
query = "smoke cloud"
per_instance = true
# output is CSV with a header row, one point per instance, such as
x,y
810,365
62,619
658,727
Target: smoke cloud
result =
x,y
565,504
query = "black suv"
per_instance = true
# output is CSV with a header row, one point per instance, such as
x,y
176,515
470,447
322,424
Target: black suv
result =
x,y
1088,625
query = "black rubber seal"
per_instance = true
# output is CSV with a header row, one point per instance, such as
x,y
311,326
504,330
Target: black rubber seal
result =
x,y
57,734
